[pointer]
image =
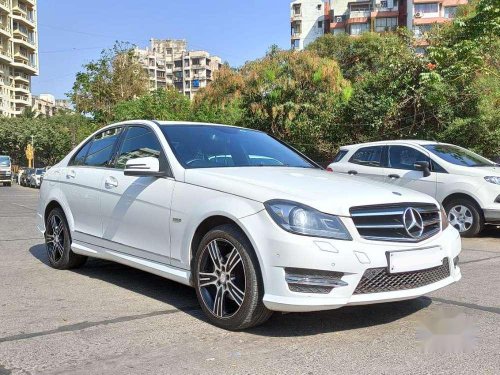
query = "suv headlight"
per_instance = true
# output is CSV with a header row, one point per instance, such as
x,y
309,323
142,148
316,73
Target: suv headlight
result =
x,y
300,219
493,179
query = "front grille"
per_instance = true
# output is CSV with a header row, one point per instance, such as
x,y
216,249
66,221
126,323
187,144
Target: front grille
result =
x,y
386,222
4,173
378,280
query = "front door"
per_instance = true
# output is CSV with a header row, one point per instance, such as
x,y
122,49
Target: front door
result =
x,y
401,169
136,210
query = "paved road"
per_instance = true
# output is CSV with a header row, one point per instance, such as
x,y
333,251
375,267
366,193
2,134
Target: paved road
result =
x,y
110,319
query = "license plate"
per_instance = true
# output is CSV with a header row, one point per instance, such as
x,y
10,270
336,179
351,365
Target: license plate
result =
x,y
415,260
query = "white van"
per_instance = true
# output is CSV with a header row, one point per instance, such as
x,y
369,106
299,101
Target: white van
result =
x,y
5,170
467,184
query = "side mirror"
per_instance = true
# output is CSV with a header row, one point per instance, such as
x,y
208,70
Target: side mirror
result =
x,y
423,166
143,167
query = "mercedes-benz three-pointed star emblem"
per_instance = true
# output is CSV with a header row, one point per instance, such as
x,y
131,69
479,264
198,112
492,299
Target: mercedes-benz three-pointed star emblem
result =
x,y
413,222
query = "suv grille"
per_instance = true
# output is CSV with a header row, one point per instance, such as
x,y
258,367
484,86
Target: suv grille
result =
x,y
378,280
387,222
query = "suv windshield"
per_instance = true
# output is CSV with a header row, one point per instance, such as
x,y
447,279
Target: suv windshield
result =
x,y
4,161
39,172
205,146
459,156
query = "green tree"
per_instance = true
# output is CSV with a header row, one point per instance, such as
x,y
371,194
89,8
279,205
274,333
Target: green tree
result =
x,y
166,104
115,77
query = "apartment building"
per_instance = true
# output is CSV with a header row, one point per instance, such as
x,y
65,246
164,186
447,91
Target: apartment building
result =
x,y
18,54
170,64
355,17
46,105
309,21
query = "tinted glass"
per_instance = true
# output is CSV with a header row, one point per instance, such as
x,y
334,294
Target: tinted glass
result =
x,y
101,150
4,161
340,155
402,157
371,156
39,172
459,156
138,143
79,158
201,146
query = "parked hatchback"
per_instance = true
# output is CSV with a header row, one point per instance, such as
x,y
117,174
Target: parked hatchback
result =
x,y
250,223
465,183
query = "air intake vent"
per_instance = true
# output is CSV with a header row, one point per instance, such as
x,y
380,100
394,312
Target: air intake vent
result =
x,y
313,281
402,222
378,280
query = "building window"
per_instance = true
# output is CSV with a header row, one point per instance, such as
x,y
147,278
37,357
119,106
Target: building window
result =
x,y
383,4
359,28
320,24
421,30
420,50
386,24
427,8
450,12
295,44
296,9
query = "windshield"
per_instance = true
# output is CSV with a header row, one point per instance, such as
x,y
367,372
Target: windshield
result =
x,y
203,146
459,156
4,161
39,171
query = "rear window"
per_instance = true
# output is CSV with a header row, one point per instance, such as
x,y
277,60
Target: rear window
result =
x,y
370,156
340,155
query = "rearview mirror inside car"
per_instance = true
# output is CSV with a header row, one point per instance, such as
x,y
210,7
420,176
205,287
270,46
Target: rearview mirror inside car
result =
x,y
139,167
423,166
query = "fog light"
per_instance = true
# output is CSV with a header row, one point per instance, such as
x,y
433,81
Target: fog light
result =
x,y
455,261
313,281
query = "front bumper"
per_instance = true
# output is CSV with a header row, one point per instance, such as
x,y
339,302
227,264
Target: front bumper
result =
x,y
278,250
491,215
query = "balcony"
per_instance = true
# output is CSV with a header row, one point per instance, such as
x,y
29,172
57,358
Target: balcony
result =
x,y
21,13
18,76
5,5
5,53
22,88
25,40
359,13
22,99
5,29
23,63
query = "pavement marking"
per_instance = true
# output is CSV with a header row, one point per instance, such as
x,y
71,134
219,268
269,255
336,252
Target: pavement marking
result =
x,y
491,309
84,325
21,239
478,260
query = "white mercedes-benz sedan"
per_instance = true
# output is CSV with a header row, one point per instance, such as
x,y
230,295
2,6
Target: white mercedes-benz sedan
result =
x,y
253,225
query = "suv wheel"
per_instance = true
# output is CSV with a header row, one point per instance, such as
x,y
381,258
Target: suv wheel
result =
x,y
58,242
227,280
465,216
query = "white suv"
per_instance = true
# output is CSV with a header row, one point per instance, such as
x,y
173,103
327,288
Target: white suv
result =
x,y
251,224
465,183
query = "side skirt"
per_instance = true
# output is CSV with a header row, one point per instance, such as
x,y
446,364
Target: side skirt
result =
x,y
168,272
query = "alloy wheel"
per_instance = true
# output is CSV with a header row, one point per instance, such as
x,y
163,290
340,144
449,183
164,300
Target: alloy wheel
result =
x,y
221,278
461,218
55,238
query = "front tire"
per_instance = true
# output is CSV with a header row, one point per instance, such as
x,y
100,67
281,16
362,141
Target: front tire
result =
x,y
227,280
58,242
465,216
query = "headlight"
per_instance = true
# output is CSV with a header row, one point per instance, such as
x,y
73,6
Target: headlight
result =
x,y
299,219
444,219
493,179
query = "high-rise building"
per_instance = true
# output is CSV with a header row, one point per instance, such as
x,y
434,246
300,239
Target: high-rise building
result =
x,y
170,64
355,17
18,54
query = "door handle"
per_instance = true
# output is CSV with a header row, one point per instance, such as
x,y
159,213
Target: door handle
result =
x,y
71,174
111,182
394,176
353,173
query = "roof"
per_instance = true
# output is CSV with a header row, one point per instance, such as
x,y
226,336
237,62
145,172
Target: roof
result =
x,y
398,141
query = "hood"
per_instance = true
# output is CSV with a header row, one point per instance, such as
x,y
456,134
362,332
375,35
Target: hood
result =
x,y
327,192
475,171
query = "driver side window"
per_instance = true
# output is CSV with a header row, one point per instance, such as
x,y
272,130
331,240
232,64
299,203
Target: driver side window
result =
x,y
139,142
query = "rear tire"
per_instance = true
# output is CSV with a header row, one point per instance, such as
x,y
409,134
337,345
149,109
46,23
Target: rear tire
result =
x,y
58,242
228,281
465,216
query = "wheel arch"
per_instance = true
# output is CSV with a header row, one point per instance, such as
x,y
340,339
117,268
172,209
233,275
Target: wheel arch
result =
x,y
214,221
465,196
54,203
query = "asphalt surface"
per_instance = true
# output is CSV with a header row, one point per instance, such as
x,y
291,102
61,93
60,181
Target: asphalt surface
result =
x,y
106,318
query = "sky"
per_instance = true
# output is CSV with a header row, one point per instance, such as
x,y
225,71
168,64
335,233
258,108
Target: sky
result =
x,y
73,32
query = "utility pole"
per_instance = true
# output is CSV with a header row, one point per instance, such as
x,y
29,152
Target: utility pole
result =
x,y
33,145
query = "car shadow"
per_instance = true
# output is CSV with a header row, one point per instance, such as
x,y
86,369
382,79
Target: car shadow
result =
x,y
491,231
280,325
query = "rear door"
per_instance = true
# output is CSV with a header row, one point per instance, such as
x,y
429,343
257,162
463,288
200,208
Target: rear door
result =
x,y
401,169
136,210
366,162
81,180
